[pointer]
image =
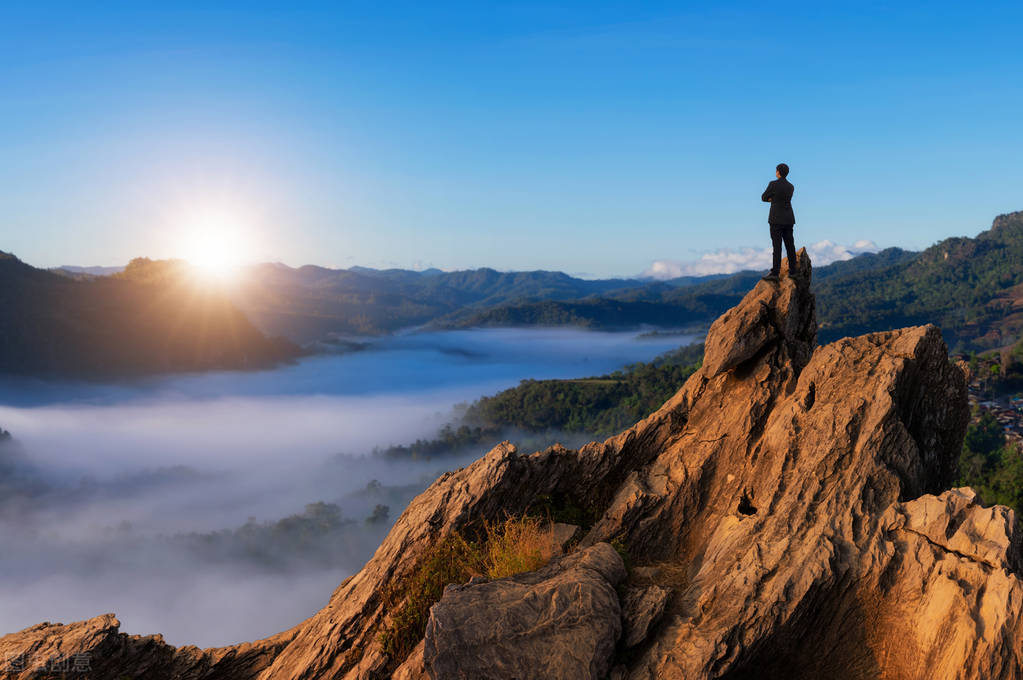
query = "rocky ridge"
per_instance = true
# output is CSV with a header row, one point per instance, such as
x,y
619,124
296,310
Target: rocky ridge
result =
x,y
787,514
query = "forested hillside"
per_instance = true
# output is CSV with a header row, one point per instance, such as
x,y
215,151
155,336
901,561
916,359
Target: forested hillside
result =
x,y
991,464
145,320
539,412
969,287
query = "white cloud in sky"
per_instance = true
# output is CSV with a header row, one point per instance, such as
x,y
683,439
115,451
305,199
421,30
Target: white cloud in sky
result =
x,y
731,260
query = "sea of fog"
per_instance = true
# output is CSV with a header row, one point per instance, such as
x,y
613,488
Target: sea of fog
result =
x,y
160,499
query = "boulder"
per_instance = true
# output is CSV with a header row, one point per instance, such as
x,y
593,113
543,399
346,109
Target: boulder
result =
x,y
561,622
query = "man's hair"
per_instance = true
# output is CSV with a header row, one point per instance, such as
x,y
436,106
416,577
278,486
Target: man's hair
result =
x,y
783,170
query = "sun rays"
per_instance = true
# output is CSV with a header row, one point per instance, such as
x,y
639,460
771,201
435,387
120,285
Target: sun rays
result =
x,y
215,243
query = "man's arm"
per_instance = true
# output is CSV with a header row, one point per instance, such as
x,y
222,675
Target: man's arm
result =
x,y
768,193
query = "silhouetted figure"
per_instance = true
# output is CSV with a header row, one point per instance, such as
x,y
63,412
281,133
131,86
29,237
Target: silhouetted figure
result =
x,y
781,219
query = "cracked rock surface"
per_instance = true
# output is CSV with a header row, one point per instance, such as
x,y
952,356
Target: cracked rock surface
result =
x,y
792,502
560,622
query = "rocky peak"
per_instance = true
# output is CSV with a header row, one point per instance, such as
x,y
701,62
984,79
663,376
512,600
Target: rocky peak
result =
x,y
1008,220
776,317
786,515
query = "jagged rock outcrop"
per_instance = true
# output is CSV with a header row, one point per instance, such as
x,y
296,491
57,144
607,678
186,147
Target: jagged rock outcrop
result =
x,y
792,500
945,589
95,649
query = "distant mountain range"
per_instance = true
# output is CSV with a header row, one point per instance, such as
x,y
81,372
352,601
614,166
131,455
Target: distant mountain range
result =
x,y
307,303
53,324
972,288
659,304
74,270
145,318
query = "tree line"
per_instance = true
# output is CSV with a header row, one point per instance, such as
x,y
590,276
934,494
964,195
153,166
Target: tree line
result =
x,y
539,411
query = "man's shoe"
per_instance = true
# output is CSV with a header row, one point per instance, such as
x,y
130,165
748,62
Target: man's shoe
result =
x,y
770,277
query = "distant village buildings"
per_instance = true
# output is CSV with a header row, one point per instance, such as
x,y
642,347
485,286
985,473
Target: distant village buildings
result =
x,y
1008,411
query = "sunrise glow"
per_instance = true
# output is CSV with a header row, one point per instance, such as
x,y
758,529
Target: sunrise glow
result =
x,y
215,247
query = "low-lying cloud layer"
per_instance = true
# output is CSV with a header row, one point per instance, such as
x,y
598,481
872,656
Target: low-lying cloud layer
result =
x,y
731,260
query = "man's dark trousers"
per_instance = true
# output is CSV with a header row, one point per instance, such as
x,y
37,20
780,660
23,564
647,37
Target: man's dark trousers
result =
x,y
779,233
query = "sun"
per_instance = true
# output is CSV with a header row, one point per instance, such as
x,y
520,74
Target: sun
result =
x,y
215,247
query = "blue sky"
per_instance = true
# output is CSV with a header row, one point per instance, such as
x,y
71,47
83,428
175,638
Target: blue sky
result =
x,y
587,137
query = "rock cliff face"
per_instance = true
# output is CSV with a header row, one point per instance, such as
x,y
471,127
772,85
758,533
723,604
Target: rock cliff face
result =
x,y
787,514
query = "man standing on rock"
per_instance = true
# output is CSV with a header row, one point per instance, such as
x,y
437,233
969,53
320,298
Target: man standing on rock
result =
x,y
781,219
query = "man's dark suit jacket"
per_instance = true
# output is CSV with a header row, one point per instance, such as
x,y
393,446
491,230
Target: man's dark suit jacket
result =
x,y
779,194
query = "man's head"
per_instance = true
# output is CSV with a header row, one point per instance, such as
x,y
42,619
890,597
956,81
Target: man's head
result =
x,y
782,170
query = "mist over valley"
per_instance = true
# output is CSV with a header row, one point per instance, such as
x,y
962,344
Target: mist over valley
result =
x,y
190,503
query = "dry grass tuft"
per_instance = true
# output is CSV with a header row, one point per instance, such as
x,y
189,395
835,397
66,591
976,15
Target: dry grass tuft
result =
x,y
516,545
